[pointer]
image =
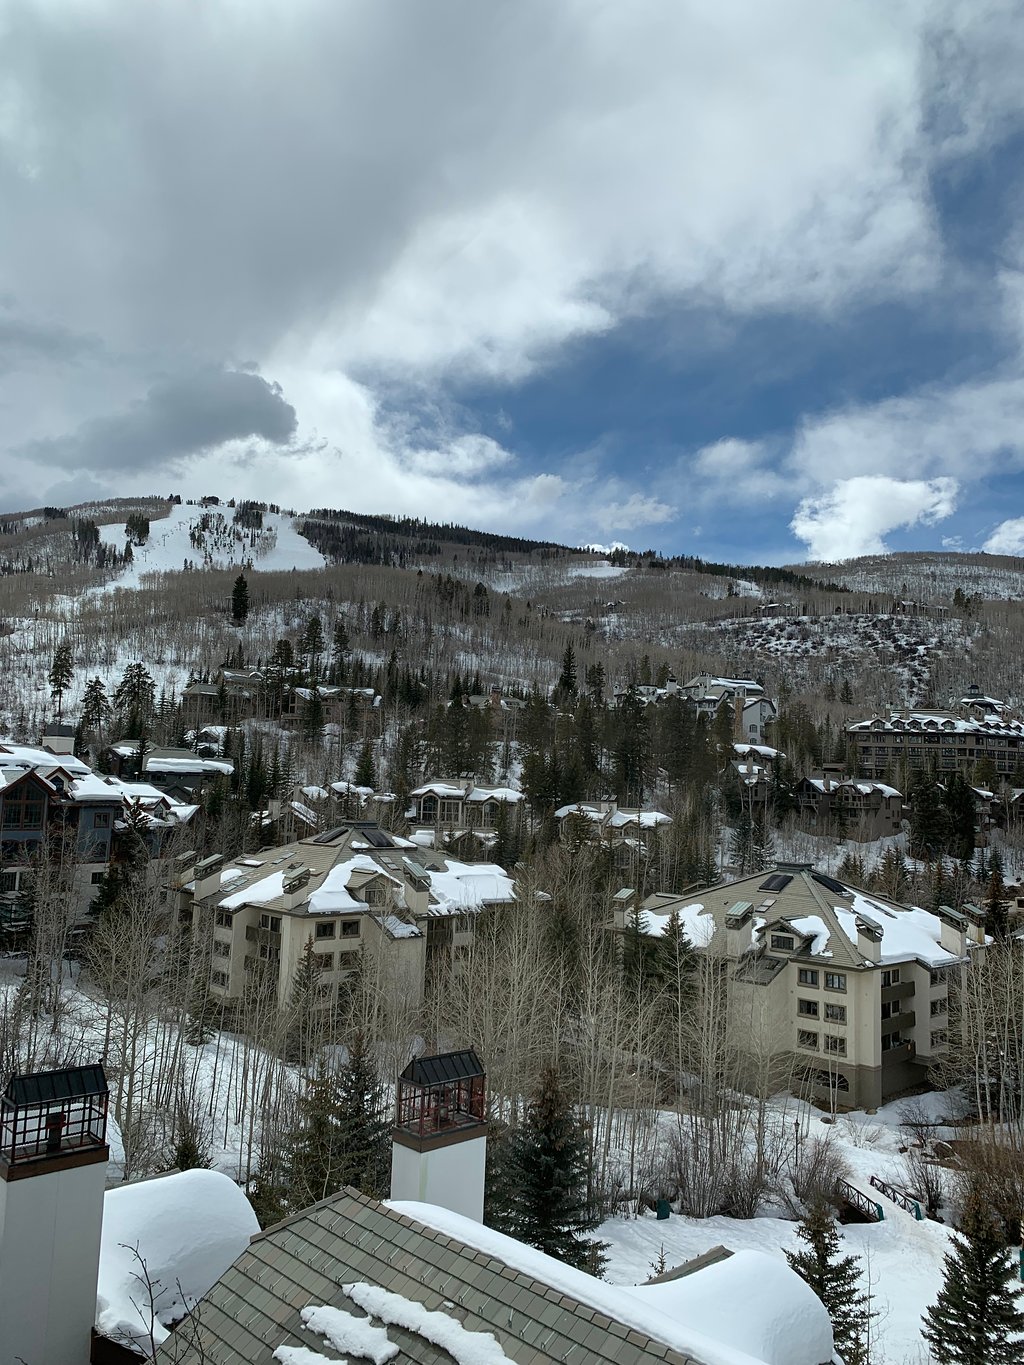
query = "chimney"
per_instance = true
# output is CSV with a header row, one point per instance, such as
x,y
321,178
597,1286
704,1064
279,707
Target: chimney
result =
x,y
439,1145
869,940
295,882
206,876
53,1170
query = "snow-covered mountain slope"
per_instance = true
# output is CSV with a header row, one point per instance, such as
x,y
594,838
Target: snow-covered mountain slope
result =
x,y
193,537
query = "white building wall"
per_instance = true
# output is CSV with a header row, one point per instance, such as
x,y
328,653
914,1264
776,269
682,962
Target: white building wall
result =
x,y
49,1257
451,1177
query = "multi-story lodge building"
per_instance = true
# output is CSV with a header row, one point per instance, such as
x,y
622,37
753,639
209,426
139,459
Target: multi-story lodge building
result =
x,y
49,799
851,988
947,741
856,808
351,889
745,697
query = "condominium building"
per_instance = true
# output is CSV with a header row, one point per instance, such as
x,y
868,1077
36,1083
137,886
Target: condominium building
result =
x,y
349,890
851,987
947,741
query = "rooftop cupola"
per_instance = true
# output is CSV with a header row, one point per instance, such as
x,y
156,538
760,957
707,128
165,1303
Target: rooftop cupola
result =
x,y
440,1138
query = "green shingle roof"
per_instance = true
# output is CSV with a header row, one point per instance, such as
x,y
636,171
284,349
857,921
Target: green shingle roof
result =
x,y
255,1306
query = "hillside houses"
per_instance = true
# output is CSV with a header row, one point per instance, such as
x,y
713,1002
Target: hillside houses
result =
x,y
830,802
752,710
180,772
47,798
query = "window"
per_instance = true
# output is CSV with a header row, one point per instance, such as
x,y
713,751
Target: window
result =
x,y
939,1038
835,1014
891,977
938,1007
783,941
221,949
97,878
219,978
23,809
807,976
828,1080
808,1008
806,1038
891,1040
450,812
835,981
938,976
350,928
101,819
835,1045
891,1008
271,922
325,961
222,919
269,953
326,930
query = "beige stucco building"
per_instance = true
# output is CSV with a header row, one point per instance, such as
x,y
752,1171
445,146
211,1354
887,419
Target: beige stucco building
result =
x,y
349,890
852,986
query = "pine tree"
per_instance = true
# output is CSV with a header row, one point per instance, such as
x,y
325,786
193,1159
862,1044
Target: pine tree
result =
x,y
133,699
741,847
978,1318
546,1180
240,600
836,1281
567,677
762,845
96,709
997,905
365,767
62,670
315,1155
363,1117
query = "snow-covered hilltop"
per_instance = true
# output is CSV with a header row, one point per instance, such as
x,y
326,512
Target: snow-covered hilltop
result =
x,y
196,537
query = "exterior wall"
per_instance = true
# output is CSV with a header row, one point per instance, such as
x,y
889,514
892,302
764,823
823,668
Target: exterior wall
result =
x,y
50,1228
450,1176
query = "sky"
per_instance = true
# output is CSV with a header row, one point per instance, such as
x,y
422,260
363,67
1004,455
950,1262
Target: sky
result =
x,y
740,280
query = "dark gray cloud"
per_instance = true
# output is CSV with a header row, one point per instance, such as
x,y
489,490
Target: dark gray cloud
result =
x,y
177,418
24,342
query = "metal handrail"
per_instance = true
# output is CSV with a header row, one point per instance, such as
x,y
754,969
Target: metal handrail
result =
x,y
856,1199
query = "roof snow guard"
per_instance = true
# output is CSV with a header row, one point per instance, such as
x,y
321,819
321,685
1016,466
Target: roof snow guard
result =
x,y
446,1067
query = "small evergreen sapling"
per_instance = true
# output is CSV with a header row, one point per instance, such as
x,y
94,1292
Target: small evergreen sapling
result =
x,y
978,1318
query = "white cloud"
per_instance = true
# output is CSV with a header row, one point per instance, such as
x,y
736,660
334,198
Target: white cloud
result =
x,y
852,518
1007,538
358,195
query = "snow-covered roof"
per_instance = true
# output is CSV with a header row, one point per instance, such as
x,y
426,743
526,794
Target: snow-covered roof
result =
x,y
695,1315
940,722
468,886
258,893
782,1322
698,924
187,1227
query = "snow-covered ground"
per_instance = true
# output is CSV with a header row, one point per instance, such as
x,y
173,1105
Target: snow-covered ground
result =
x,y
177,540
901,1259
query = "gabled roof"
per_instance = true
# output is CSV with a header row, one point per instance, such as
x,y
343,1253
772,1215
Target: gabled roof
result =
x,y
349,1240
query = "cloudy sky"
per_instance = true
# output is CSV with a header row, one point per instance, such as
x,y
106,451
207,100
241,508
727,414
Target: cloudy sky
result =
x,y
738,279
